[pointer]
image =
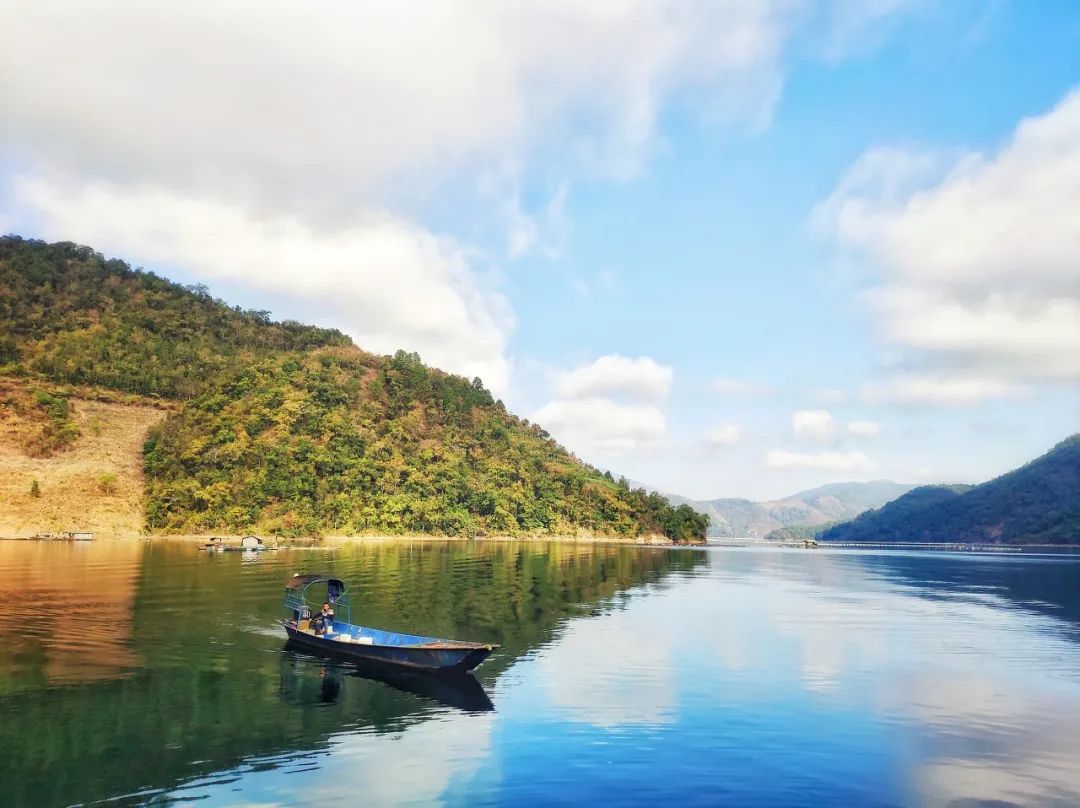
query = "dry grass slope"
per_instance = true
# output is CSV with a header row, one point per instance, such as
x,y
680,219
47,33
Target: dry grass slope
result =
x,y
97,484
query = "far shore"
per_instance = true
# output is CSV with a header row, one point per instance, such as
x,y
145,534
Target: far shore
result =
x,y
372,538
327,542
340,541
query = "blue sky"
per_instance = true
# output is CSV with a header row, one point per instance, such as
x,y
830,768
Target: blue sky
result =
x,y
727,249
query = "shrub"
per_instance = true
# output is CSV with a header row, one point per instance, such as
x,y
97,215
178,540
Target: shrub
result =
x,y
107,483
58,429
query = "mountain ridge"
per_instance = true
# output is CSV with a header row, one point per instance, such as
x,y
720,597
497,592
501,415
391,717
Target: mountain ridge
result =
x,y
735,517
1037,503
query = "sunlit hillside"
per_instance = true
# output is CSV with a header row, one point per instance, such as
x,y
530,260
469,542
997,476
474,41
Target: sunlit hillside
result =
x,y
92,480
279,427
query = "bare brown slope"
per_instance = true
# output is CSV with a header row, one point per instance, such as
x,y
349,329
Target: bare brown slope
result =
x,y
72,496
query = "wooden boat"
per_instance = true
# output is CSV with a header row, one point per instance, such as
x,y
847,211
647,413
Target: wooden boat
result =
x,y
346,640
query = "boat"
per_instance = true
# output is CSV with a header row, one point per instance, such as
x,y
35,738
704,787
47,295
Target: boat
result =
x,y
346,640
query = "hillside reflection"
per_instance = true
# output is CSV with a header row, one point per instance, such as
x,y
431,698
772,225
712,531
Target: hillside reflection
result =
x,y
628,675
67,612
155,648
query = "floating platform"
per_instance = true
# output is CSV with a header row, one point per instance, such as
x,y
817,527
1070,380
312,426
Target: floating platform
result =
x,y
248,544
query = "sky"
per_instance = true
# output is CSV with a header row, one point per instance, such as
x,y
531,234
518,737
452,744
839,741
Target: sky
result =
x,y
729,248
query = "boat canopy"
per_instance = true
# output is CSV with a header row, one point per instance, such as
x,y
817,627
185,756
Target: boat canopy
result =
x,y
335,587
337,592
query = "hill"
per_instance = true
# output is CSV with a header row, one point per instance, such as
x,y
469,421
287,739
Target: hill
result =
x,y
70,316
817,506
797,533
288,428
1037,503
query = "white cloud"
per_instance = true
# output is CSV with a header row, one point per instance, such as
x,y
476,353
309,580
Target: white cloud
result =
x,y
882,178
966,228
314,129
864,429
947,391
641,378
852,25
609,407
1019,335
389,283
813,425
599,425
335,99
821,461
978,253
724,435
738,387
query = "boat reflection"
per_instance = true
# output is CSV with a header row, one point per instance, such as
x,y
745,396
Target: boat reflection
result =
x,y
309,679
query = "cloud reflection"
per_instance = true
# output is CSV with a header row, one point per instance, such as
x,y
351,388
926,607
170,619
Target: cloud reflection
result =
x,y
988,690
614,669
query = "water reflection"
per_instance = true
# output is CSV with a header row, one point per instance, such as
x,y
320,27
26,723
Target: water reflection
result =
x,y
627,675
158,648
629,650
958,656
1039,582
307,679
67,612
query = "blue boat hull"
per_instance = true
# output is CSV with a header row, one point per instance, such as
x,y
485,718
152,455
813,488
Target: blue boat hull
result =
x,y
427,654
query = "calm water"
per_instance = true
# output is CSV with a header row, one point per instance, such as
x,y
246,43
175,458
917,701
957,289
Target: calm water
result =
x,y
150,672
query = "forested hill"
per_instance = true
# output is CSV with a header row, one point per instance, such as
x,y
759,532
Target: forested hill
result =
x,y
73,317
1037,503
291,429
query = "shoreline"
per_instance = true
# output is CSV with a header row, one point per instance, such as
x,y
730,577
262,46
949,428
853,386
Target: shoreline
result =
x,y
328,542
303,542
377,538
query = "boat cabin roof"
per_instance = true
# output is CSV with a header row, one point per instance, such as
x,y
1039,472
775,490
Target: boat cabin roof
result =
x,y
336,589
304,580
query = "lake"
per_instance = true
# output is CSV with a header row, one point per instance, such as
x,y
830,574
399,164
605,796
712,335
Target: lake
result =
x,y
149,672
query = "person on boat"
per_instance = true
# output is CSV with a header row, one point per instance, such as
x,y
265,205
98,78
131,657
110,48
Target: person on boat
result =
x,y
323,619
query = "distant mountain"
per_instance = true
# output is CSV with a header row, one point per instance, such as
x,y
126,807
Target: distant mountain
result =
x,y
798,532
818,506
1036,503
